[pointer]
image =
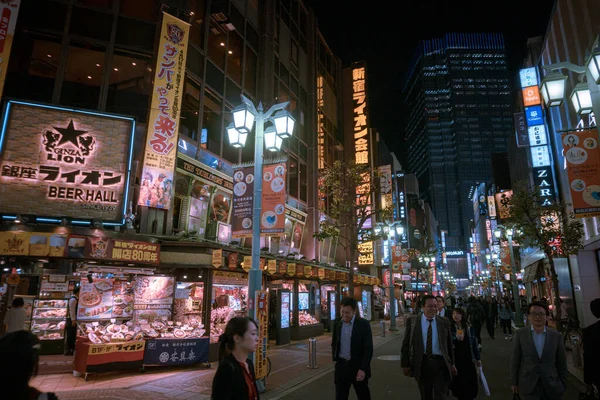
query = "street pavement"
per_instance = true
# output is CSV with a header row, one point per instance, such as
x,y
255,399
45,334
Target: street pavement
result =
x,y
289,379
388,381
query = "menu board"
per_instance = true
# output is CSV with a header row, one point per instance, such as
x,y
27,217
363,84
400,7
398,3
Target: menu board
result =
x,y
285,310
105,298
153,298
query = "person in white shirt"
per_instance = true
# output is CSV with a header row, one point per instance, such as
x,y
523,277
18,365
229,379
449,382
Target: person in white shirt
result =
x,y
16,316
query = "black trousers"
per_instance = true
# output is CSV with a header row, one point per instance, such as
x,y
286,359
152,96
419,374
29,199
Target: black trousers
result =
x,y
70,337
506,326
434,380
490,322
344,377
477,328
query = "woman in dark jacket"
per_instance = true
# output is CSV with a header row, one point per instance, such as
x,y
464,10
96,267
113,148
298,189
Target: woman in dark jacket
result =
x,y
235,379
466,352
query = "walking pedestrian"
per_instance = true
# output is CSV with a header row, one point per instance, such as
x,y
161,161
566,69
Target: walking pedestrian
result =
x,y
19,352
235,379
442,310
506,316
539,361
475,316
15,317
491,312
352,350
591,349
466,353
71,325
427,352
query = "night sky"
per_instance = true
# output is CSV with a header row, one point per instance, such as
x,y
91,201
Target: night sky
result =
x,y
386,39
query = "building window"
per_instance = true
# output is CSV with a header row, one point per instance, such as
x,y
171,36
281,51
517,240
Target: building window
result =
x,y
250,72
230,153
217,44
190,107
146,10
294,54
83,75
130,84
197,14
135,34
91,23
97,3
293,176
32,68
211,121
234,57
303,183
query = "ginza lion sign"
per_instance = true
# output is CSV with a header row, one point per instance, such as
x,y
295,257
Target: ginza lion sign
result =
x,y
60,162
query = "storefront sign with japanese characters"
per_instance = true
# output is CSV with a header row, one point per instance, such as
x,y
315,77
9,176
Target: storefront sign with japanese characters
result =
x,y
105,248
60,162
176,352
262,318
163,124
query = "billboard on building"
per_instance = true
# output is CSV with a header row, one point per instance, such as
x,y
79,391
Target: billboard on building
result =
x,y
163,124
9,10
582,155
59,162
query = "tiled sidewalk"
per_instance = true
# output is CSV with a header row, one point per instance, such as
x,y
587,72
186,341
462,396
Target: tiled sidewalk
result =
x,y
289,368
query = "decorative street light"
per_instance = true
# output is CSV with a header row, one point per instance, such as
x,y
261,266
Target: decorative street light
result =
x,y
593,65
508,232
244,116
553,89
391,229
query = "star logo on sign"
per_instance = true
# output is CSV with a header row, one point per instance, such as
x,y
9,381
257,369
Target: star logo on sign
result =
x,y
69,134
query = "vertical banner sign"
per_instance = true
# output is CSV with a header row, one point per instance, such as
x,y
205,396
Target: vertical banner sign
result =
x,y
503,203
583,168
243,192
156,190
320,124
217,258
521,129
261,313
362,152
491,207
272,220
385,185
396,256
9,10
247,264
272,267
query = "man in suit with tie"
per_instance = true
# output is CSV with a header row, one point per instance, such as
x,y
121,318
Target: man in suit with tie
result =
x,y
443,311
427,352
352,350
539,362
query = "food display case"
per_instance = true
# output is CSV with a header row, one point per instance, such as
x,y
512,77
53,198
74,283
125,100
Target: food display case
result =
x,y
28,306
48,324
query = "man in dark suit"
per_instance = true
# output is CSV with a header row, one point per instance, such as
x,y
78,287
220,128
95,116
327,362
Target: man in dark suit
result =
x,y
352,350
591,348
443,311
539,361
427,352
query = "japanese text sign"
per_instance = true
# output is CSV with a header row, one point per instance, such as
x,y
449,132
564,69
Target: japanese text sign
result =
x,y
528,77
262,319
243,192
163,124
272,220
176,351
521,129
531,96
8,11
582,155
59,162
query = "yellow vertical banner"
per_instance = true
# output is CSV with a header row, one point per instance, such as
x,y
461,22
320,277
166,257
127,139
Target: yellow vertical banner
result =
x,y
262,319
247,264
272,267
163,124
9,11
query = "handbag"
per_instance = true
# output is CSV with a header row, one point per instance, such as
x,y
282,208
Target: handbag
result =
x,y
483,382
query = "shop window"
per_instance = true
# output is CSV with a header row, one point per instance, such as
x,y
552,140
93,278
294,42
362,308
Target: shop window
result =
x,y
32,68
199,202
83,75
190,108
230,153
285,243
303,182
198,15
229,299
189,299
130,84
135,34
293,176
214,78
46,15
234,57
287,285
217,45
250,72
146,10
307,302
91,23
97,3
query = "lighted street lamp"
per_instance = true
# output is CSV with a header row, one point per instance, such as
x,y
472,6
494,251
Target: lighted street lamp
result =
x,y
553,89
593,65
389,229
581,98
281,125
508,232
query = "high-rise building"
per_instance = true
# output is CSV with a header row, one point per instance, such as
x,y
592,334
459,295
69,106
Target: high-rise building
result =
x,y
457,96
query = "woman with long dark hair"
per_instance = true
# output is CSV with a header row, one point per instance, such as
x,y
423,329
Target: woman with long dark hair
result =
x,y
466,353
19,355
235,379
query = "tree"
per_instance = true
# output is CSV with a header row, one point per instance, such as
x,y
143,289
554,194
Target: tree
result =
x,y
350,189
548,227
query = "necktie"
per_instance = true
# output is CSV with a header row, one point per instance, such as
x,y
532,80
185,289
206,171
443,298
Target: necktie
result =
x,y
429,347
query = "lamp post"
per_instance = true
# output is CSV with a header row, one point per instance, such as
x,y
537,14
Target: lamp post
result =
x,y
391,229
281,127
508,232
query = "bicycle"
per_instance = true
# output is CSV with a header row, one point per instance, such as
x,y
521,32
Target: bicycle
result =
x,y
571,332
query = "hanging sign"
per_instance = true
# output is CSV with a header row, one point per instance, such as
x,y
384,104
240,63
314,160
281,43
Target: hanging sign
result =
x,y
272,220
217,258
